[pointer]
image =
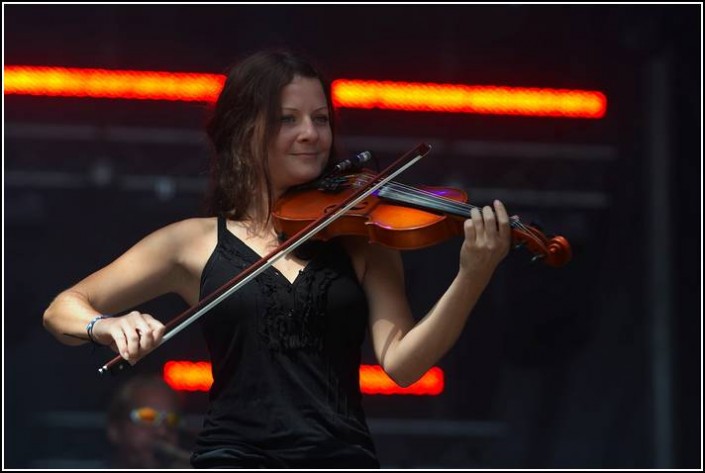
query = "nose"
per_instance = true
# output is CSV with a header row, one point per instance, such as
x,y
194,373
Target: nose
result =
x,y
308,131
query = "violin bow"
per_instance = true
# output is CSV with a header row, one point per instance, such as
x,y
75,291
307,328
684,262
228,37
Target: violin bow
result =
x,y
186,318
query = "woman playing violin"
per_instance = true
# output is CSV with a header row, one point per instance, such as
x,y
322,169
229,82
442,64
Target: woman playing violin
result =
x,y
285,349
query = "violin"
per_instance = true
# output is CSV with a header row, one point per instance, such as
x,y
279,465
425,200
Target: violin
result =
x,y
400,216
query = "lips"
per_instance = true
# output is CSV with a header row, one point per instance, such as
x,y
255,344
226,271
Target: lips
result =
x,y
311,155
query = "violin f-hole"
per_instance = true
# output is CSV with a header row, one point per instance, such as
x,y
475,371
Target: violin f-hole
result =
x,y
360,206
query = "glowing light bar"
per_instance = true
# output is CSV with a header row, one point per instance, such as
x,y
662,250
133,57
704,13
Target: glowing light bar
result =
x,y
407,96
188,375
469,99
196,376
373,380
102,83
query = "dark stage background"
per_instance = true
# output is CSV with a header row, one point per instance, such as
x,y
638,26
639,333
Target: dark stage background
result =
x,y
595,365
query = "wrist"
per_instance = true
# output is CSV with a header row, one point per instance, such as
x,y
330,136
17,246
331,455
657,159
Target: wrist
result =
x,y
91,326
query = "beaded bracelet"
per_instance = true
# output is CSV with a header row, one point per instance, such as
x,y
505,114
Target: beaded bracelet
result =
x,y
89,328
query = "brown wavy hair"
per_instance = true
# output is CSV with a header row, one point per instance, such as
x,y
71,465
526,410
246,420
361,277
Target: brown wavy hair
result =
x,y
245,119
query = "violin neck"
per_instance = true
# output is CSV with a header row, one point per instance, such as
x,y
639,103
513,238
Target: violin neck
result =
x,y
424,199
429,200
554,251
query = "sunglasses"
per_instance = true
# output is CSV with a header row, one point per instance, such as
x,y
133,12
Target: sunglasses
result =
x,y
153,417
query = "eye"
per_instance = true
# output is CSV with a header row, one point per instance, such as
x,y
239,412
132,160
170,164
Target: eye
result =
x,y
321,119
288,119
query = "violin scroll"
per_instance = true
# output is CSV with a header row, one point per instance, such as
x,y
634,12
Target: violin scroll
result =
x,y
554,251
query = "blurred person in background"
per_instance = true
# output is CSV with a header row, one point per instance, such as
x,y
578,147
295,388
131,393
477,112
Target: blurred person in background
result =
x,y
143,428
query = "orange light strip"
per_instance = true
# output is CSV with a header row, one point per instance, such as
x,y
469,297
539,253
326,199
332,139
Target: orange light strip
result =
x,y
102,83
373,380
196,376
188,375
407,96
425,97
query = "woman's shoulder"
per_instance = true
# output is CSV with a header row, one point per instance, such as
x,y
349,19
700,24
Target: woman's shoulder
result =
x,y
365,255
191,226
185,232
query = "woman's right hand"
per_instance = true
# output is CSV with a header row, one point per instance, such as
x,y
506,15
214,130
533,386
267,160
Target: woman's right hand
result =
x,y
132,335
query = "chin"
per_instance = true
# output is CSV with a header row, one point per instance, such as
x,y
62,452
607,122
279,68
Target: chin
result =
x,y
309,173
304,178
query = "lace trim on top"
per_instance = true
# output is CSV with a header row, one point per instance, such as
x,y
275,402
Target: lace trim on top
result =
x,y
295,315
299,321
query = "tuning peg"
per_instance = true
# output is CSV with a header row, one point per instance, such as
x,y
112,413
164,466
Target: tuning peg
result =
x,y
537,258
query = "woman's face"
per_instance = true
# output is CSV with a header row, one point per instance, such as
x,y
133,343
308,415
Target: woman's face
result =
x,y
300,150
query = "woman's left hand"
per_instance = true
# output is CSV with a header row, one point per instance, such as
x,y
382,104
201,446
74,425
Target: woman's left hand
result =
x,y
487,240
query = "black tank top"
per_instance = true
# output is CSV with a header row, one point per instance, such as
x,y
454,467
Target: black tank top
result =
x,y
285,361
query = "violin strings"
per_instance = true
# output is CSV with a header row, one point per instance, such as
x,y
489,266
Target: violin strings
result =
x,y
432,200
410,194
426,198
453,205
422,196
